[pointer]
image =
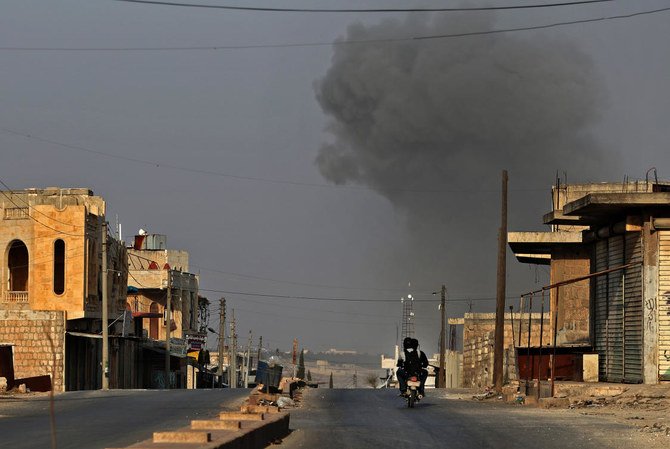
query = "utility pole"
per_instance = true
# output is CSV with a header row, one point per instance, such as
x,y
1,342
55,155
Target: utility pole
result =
x,y
442,381
260,347
248,362
222,333
105,311
500,293
232,365
168,325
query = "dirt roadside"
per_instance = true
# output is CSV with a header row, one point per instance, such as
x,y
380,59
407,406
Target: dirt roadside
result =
x,y
645,409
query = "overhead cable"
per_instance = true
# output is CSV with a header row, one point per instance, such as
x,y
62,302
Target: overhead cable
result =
x,y
390,40
240,177
365,10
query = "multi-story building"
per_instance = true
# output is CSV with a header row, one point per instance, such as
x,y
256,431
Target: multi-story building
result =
x,y
51,290
161,286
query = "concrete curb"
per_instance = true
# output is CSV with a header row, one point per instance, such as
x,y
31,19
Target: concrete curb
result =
x,y
233,430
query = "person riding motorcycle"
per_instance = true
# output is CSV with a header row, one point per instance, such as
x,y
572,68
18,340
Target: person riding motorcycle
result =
x,y
413,364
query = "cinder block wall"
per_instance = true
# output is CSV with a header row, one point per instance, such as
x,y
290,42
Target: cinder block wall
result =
x,y
478,361
34,353
479,342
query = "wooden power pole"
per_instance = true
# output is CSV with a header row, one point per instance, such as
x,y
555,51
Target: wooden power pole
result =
x,y
168,325
232,365
222,333
442,380
500,292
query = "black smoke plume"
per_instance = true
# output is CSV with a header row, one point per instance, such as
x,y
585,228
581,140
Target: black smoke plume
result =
x,y
430,125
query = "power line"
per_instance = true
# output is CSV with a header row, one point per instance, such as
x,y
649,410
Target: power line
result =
x,y
366,10
287,306
344,42
19,192
39,222
301,283
550,25
325,298
244,178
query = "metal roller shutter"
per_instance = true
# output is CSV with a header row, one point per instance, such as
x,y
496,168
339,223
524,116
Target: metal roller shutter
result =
x,y
633,309
615,310
601,309
664,306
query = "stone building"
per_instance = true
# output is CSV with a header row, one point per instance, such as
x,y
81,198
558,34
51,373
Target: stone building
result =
x,y
615,239
159,280
51,289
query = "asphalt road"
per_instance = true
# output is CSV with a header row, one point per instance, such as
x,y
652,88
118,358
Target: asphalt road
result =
x,y
331,418
97,419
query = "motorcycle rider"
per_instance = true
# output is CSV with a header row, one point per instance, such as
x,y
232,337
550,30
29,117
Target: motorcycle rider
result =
x,y
413,364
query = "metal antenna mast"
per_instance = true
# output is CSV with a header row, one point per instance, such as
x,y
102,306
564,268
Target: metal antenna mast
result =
x,y
407,317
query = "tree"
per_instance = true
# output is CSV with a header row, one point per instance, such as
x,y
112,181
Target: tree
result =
x,y
309,376
330,382
371,380
301,365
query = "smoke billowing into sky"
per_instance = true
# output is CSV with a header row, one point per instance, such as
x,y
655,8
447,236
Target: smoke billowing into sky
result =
x,y
411,118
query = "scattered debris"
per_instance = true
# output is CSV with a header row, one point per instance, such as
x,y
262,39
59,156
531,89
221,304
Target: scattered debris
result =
x,y
657,428
485,395
284,401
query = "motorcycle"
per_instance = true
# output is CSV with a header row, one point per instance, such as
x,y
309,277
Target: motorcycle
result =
x,y
413,384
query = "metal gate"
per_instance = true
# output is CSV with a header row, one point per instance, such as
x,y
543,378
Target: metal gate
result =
x,y
664,306
618,309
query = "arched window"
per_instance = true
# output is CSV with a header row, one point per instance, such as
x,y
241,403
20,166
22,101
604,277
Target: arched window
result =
x,y
17,263
153,322
59,267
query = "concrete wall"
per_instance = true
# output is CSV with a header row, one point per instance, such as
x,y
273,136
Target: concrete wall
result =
x,y
177,259
38,340
573,299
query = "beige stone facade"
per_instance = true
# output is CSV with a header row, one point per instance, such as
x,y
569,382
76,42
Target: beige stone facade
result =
x,y
51,242
37,339
152,268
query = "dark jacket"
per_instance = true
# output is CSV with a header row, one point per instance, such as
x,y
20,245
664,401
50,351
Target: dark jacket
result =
x,y
422,361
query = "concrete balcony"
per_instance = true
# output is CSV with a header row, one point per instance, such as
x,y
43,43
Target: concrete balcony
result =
x,y
16,297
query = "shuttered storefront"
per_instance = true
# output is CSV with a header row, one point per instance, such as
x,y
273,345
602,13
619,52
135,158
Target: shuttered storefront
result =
x,y
601,310
633,310
664,306
618,309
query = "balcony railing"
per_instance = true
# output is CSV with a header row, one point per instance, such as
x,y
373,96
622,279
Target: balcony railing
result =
x,y
16,213
16,297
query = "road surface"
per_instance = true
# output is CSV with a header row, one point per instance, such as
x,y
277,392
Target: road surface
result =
x,y
115,418
335,419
